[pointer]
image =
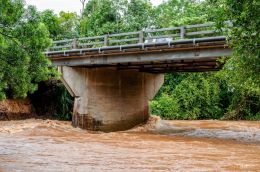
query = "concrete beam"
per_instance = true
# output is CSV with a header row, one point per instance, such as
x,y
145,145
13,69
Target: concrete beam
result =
x,y
196,54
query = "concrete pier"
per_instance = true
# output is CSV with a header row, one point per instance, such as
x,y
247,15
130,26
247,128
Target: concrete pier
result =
x,y
107,99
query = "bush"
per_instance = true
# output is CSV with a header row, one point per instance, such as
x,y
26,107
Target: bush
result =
x,y
64,103
195,96
52,100
165,106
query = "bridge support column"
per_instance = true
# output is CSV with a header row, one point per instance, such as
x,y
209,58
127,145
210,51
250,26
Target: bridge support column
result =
x,y
107,99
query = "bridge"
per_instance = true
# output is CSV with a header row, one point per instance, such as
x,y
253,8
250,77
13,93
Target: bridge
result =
x,y
113,76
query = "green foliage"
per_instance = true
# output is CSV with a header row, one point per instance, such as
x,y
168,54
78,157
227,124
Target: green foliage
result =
x,y
170,82
138,15
194,96
52,100
53,24
64,103
2,87
242,71
69,23
166,106
215,11
11,12
253,117
100,17
64,26
23,38
180,12
236,92
106,16
187,96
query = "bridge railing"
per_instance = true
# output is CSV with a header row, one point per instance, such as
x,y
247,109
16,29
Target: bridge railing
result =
x,y
146,36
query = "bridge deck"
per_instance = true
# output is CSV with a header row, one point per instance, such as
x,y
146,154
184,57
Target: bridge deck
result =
x,y
190,52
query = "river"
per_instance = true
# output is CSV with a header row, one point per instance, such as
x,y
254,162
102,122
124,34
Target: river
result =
x,y
48,145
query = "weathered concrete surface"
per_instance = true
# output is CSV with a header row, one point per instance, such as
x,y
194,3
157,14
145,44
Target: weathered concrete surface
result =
x,y
193,54
110,100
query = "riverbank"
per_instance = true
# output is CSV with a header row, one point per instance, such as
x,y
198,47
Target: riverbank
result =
x,y
16,109
47,145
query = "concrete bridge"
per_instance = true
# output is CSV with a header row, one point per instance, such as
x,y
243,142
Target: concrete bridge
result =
x,y
112,77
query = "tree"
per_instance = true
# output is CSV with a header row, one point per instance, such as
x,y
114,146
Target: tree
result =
x,y
238,83
106,16
83,2
62,26
180,12
23,38
189,96
138,15
242,71
69,22
53,24
100,17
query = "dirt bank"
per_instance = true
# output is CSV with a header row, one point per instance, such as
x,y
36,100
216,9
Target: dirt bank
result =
x,y
16,109
41,104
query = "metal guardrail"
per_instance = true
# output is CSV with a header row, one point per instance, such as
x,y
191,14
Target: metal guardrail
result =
x,y
142,37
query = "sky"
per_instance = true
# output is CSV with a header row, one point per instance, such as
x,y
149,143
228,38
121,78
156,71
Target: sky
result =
x,y
64,5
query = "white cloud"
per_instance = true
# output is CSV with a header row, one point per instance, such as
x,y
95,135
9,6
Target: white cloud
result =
x,y
64,5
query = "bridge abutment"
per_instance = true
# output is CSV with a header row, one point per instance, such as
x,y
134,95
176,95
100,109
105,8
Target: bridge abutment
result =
x,y
107,99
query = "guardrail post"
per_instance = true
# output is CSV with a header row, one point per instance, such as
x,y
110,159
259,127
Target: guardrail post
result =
x,y
182,33
74,43
141,37
106,43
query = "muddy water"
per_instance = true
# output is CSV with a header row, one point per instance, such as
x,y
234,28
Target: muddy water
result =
x,y
37,145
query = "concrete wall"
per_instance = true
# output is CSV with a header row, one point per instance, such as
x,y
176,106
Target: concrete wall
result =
x,y
110,100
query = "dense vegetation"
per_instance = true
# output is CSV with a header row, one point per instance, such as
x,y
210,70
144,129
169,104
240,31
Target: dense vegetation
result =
x,y
232,93
23,37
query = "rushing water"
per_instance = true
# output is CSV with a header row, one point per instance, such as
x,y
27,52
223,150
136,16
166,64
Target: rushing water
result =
x,y
37,145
